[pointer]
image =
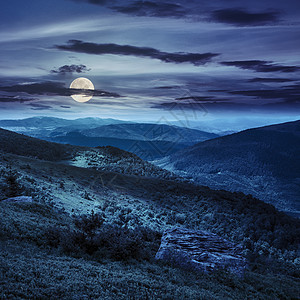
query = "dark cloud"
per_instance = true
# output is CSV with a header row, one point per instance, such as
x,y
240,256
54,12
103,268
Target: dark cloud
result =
x,y
41,88
166,87
196,98
98,2
100,49
152,9
67,69
144,8
259,79
226,106
65,106
191,10
240,17
289,94
37,106
286,97
261,66
14,99
53,88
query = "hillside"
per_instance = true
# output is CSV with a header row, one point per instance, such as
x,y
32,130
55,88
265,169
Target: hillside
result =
x,y
262,161
54,234
104,158
15,143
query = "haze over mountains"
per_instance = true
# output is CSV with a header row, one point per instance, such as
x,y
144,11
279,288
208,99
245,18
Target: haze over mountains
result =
x,y
263,162
44,126
149,141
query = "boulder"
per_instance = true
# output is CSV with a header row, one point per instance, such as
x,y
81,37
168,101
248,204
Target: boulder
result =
x,y
19,199
200,251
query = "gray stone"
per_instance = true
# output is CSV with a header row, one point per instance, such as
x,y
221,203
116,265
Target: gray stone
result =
x,y
200,251
19,199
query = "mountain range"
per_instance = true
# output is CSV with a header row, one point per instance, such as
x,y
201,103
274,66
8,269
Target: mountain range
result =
x,y
149,141
263,162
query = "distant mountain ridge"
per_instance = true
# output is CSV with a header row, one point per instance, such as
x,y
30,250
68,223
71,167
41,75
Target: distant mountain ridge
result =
x,y
153,132
147,140
262,161
56,122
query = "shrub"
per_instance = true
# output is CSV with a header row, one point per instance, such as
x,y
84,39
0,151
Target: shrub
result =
x,y
89,223
94,238
12,188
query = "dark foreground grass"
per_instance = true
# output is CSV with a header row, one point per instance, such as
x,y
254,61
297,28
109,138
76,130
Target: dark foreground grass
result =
x,y
31,269
28,272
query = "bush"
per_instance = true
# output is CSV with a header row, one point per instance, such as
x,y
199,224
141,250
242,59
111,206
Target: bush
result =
x,y
89,223
12,186
116,242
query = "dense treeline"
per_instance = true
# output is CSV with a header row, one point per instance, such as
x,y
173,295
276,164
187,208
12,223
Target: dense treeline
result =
x,y
252,152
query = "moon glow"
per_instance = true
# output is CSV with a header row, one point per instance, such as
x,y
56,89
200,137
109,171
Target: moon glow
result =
x,y
82,83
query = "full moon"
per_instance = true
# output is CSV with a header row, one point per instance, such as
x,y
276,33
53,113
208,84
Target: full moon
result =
x,y
82,83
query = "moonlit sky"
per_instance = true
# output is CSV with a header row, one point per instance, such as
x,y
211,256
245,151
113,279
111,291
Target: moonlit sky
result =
x,y
207,62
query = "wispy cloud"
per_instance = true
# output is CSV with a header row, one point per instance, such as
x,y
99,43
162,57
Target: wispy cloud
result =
x,y
196,98
8,99
50,30
100,49
38,106
290,94
259,79
192,10
261,66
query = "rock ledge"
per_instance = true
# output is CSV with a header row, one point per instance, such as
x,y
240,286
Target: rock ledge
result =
x,y
200,250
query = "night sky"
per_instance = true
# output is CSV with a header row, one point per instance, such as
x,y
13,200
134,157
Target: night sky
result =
x,y
222,61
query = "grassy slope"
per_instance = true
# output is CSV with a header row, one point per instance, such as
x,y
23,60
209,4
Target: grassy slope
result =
x,y
153,202
29,270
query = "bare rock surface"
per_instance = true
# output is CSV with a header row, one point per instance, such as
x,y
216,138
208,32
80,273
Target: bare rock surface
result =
x,y
22,199
200,250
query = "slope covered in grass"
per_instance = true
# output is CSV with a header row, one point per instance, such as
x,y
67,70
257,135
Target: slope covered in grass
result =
x,y
45,247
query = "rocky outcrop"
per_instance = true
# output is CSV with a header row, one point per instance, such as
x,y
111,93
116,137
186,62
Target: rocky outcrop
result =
x,y
19,199
200,250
